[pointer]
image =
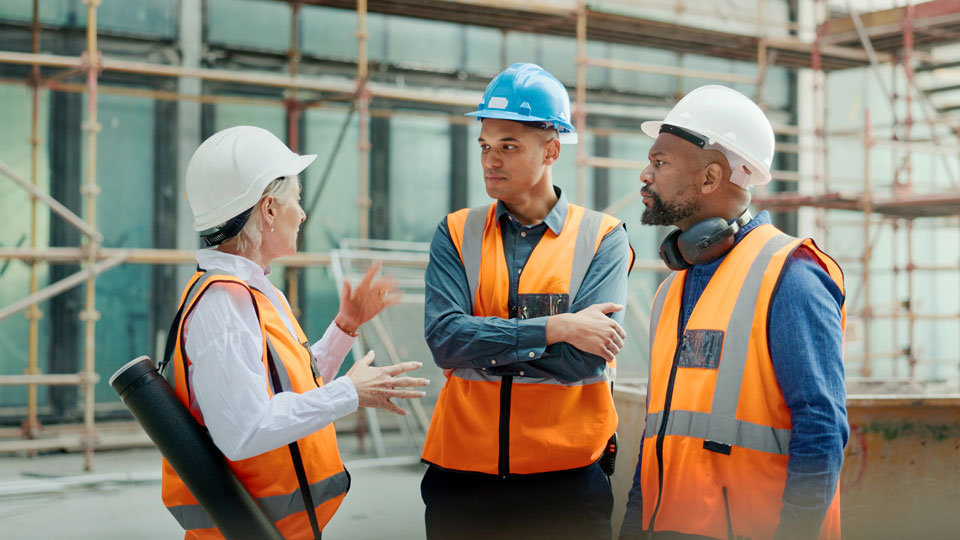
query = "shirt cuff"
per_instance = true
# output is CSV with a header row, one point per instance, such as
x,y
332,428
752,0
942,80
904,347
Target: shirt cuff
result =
x,y
343,395
336,342
531,338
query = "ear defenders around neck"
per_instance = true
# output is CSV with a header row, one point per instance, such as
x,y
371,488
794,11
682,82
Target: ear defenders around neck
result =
x,y
701,243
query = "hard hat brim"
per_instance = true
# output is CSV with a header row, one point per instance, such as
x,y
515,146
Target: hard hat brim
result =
x,y
651,128
516,117
291,167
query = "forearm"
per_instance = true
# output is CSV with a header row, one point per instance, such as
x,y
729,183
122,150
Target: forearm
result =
x,y
806,347
229,384
808,493
330,351
465,341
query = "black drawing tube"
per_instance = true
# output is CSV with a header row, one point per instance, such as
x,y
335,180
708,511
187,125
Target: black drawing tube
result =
x,y
191,452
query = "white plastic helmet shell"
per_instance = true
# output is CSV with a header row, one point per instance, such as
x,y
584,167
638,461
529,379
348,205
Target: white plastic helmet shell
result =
x,y
730,122
229,171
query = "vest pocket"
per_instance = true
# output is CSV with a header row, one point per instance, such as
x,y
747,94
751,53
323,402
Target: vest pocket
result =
x,y
700,349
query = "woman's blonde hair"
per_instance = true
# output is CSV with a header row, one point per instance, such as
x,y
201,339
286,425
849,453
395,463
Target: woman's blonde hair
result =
x,y
285,189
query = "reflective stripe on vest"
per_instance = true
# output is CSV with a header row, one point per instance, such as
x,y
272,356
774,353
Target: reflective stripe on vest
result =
x,y
583,251
271,477
276,507
507,420
721,424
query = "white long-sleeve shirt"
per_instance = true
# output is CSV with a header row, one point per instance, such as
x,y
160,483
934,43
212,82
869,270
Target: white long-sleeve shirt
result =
x,y
223,341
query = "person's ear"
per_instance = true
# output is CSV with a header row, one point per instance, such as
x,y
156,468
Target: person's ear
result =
x,y
551,151
712,178
269,208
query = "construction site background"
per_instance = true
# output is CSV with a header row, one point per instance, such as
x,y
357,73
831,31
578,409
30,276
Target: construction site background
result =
x,y
102,104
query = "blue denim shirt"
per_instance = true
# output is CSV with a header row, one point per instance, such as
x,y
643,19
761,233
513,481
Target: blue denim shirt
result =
x,y
458,339
806,347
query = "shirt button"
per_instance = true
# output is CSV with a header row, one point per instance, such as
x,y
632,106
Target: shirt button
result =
x,y
493,361
523,234
521,374
532,354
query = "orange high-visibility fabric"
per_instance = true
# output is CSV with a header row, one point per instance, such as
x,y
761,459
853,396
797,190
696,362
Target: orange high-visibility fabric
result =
x,y
271,473
552,426
692,500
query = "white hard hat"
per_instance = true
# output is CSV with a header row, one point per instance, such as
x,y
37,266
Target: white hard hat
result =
x,y
229,171
727,121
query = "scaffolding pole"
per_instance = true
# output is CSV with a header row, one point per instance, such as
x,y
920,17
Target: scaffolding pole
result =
x,y
33,314
866,369
363,122
90,190
580,112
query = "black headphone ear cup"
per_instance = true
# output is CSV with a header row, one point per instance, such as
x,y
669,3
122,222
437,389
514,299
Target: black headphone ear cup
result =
x,y
706,241
670,252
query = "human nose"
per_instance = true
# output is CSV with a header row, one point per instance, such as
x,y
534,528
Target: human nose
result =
x,y
646,176
490,159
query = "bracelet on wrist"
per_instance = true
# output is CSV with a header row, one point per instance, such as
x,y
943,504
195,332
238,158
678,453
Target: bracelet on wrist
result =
x,y
344,330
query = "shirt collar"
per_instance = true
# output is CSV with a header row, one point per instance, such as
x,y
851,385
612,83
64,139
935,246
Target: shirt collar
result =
x,y
236,265
763,218
554,220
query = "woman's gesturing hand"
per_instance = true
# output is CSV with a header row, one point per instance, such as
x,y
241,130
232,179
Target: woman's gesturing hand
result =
x,y
359,305
376,386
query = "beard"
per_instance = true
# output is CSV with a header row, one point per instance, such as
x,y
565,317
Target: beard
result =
x,y
663,213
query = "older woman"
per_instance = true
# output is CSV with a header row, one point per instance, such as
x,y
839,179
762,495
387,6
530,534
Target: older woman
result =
x,y
243,365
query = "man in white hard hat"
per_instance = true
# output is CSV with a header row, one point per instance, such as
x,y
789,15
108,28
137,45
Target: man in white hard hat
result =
x,y
237,357
518,298
746,419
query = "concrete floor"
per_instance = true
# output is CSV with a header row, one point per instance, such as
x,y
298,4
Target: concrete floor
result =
x,y
42,498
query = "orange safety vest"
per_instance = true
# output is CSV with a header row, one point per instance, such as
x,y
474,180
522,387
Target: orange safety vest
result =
x,y
716,416
270,477
520,424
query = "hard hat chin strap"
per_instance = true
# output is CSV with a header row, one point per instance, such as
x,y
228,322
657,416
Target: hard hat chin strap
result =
x,y
218,235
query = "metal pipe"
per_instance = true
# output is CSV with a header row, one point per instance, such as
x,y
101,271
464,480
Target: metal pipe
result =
x,y
63,285
363,119
47,379
866,369
33,313
895,326
666,70
142,255
254,78
61,210
580,113
294,112
90,190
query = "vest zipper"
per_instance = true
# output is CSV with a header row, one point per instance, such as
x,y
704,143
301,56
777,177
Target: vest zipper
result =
x,y
506,387
665,414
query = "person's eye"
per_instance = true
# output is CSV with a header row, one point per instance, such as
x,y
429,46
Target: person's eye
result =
x,y
509,147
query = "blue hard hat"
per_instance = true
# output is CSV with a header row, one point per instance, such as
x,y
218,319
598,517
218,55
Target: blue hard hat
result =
x,y
528,93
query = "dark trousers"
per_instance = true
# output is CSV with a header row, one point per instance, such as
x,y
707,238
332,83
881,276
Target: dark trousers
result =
x,y
561,505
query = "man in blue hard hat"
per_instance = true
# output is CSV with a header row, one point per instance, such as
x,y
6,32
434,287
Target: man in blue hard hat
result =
x,y
523,303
